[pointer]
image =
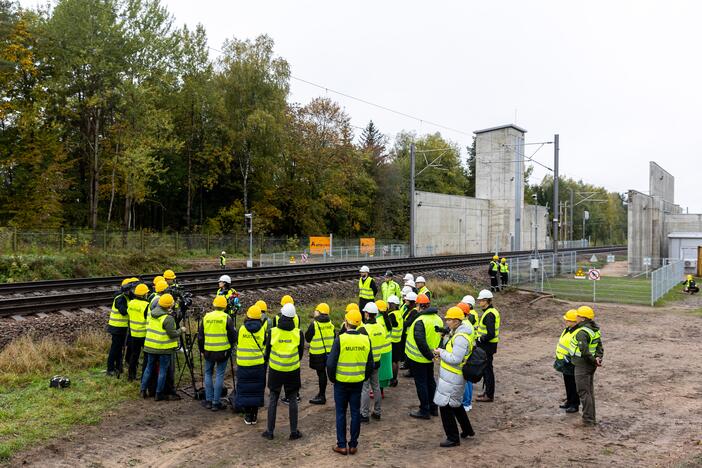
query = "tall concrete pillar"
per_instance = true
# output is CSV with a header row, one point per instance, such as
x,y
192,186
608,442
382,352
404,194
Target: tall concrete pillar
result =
x,y
499,167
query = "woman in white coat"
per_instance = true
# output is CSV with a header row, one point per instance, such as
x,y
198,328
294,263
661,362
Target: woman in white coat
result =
x,y
451,385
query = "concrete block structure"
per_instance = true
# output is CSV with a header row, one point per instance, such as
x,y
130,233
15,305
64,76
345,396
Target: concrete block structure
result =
x,y
497,218
653,217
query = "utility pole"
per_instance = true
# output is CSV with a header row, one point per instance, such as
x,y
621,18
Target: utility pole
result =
x,y
518,194
555,194
411,239
249,218
572,199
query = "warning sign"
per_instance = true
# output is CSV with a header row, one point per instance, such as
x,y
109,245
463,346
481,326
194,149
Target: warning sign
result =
x,y
368,245
593,275
580,274
319,245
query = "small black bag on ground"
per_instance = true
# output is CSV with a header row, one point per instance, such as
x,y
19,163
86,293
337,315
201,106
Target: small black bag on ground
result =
x,y
475,365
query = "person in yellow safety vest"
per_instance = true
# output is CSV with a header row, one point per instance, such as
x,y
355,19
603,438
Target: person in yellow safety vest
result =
x,y
349,364
470,321
287,299
563,365
389,286
488,337
349,307
223,260
690,285
367,289
423,337
152,294
379,342
586,355
397,322
493,270
117,327
136,309
320,335
504,273
159,288
388,321
216,336
160,343
225,289
251,366
170,278
284,353
421,284
450,389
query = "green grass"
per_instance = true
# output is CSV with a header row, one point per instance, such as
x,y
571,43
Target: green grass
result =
x,y
608,289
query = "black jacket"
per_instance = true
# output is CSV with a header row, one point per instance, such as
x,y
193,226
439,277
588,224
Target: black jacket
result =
x,y
317,361
217,356
484,340
333,360
420,334
121,301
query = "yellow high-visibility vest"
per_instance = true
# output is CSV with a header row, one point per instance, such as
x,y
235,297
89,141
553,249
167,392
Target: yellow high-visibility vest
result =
x,y
137,321
457,369
353,356
250,347
432,336
482,329
364,288
156,336
379,339
284,350
116,318
214,325
323,338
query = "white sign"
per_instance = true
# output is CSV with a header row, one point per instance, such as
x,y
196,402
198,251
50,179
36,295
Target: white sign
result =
x,y
535,264
586,215
593,275
610,259
647,261
593,258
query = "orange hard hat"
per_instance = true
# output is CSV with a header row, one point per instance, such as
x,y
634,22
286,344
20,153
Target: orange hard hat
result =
x,y
422,299
464,307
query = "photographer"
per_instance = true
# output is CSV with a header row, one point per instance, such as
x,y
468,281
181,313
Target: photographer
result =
x,y
216,337
229,293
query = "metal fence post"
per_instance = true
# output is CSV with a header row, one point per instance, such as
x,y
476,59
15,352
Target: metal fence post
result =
x,y
14,240
61,241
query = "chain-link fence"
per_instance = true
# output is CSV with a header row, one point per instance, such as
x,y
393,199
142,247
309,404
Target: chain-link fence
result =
x,y
666,278
336,254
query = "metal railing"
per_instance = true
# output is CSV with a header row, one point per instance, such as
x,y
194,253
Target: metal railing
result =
x,y
535,269
666,278
337,254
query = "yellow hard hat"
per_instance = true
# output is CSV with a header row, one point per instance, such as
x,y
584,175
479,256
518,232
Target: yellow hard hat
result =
x,y
166,301
220,302
158,278
352,306
382,305
253,312
126,281
586,311
141,290
503,260
169,275
455,313
323,308
353,317
495,257
161,286
689,277
287,299
262,305
571,315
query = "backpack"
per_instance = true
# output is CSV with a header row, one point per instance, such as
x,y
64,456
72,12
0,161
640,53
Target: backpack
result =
x,y
475,365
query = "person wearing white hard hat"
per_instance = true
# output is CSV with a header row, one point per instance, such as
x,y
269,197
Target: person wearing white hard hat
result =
x,y
284,352
367,289
412,285
379,341
488,337
225,289
408,277
398,351
223,260
421,285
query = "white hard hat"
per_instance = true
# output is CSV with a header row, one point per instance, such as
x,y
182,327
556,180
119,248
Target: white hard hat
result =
x,y
420,279
393,300
288,310
411,296
406,290
410,283
371,308
485,294
224,253
409,276
225,279
364,269
468,300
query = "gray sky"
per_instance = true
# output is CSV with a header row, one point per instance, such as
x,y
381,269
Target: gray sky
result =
x,y
618,80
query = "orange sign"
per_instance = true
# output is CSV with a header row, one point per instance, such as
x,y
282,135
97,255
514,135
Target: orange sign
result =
x,y
368,245
319,245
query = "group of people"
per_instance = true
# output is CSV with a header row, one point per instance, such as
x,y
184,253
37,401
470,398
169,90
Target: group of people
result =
x,y
498,271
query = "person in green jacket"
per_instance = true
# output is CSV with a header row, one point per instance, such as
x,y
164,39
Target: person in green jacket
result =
x,y
586,354
389,286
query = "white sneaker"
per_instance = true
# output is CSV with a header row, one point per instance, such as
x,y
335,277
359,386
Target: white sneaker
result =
x,y
468,408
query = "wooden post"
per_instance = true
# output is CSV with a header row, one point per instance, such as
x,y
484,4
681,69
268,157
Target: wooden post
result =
x,y
61,241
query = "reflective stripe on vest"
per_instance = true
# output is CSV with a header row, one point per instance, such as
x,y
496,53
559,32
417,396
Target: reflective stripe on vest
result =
x,y
425,291
364,288
396,332
250,347
323,338
116,319
137,322
563,347
156,336
378,337
457,369
284,350
432,336
353,356
214,326
595,337
482,329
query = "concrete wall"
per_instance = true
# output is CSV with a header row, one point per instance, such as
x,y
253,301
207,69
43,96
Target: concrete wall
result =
x,y
528,227
661,183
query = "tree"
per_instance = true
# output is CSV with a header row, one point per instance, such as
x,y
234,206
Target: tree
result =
x,y
373,142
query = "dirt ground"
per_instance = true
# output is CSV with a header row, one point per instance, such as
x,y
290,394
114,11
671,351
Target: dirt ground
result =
x,y
649,407
619,269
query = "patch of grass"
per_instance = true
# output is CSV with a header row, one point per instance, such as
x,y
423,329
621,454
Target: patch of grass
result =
x,y
31,412
608,289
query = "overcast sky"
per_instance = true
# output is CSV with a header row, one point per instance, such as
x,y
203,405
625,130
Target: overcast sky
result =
x,y
618,80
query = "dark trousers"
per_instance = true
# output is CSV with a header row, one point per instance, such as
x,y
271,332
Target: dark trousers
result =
x,y
572,398
425,384
489,375
114,357
322,377
493,283
449,416
585,382
273,409
362,302
347,395
504,279
135,346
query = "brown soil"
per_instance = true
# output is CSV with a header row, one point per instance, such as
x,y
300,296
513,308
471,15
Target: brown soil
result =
x,y
649,396
615,269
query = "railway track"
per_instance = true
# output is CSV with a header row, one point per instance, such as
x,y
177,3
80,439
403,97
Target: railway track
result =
x,y
54,295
